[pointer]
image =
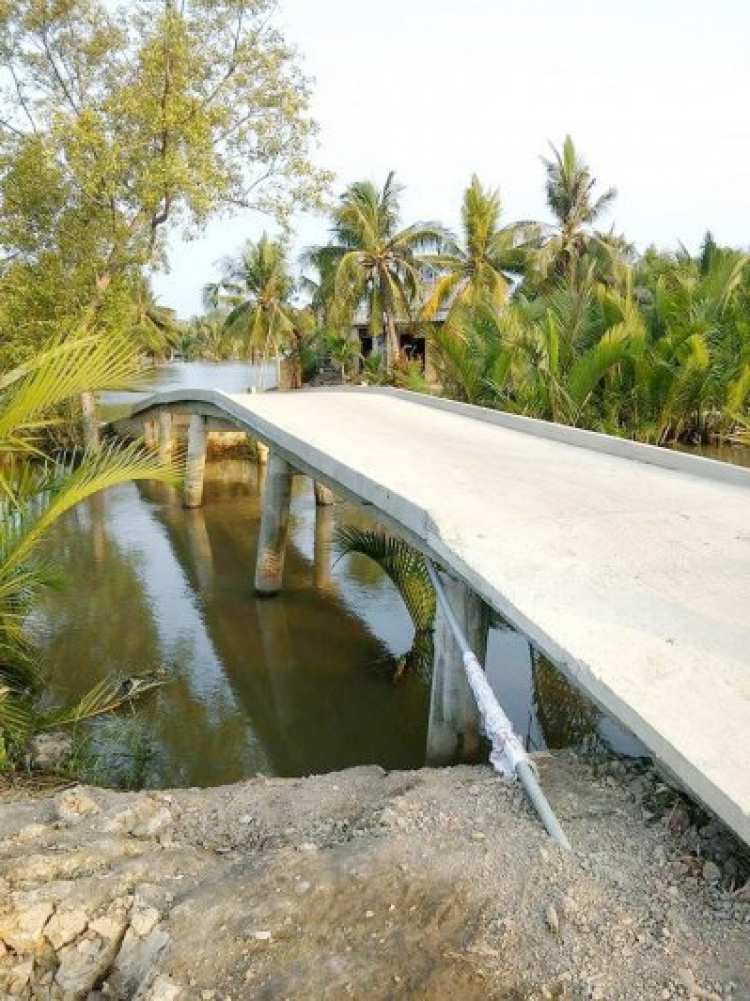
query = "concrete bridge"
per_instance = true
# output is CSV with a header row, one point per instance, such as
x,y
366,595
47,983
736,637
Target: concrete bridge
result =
x,y
626,564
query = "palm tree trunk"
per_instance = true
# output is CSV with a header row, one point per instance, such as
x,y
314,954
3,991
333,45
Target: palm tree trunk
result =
x,y
391,341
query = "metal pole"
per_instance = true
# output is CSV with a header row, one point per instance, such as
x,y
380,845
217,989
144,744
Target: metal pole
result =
x,y
497,725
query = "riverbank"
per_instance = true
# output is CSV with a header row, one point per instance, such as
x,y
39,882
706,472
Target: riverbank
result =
x,y
363,884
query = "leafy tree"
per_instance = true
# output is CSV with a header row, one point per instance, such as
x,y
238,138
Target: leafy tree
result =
x,y
121,123
35,491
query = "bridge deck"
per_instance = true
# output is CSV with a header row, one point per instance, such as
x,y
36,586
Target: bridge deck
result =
x,y
633,577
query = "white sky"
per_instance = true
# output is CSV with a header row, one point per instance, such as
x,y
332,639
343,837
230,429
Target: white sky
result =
x,y
656,94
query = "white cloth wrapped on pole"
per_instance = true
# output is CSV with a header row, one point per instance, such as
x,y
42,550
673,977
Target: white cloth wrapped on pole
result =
x,y
507,750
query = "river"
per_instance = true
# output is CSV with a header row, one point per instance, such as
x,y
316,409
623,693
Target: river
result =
x,y
299,684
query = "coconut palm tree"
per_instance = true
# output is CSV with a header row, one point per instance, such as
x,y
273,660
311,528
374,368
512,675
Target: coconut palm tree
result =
x,y
575,207
255,289
36,489
378,266
483,264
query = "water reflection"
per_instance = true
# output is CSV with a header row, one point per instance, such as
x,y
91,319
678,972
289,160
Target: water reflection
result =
x,y
297,684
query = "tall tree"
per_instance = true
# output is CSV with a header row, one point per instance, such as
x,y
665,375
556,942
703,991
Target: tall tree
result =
x,y
483,263
576,207
378,265
256,289
119,123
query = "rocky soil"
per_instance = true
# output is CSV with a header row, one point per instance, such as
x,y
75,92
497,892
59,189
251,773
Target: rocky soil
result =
x,y
420,885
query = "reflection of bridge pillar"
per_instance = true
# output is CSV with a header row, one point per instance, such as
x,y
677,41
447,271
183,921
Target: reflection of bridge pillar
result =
x,y
98,517
454,731
200,546
322,550
323,496
195,466
274,527
165,435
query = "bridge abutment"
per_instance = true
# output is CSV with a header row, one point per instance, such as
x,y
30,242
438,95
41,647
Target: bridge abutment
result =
x,y
274,527
454,728
195,466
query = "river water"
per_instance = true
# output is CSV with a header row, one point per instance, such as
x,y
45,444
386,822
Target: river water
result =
x,y
298,684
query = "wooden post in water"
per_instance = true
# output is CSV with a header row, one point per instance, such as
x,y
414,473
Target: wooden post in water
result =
x,y
165,435
195,466
274,525
454,729
323,495
261,452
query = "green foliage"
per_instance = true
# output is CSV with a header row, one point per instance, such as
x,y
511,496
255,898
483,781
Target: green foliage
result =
x,y
254,294
408,571
403,564
121,122
483,265
35,491
374,265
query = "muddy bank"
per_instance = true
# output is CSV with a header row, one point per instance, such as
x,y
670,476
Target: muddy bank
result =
x,y
361,884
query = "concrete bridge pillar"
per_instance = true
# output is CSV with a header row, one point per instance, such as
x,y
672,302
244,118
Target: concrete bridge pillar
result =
x,y
322,549
149,435
195,466
274,527
454,730
323,495
165,435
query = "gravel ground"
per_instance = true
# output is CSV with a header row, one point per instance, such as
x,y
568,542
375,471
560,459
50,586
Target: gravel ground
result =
x,y
370,885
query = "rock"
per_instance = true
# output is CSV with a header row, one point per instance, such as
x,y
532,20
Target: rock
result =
x,y
144,920
109,927
164,989
30,832
262,936
21,927
85,965
145,819
711,872
48,752
75,804
19,977
64,926
552,919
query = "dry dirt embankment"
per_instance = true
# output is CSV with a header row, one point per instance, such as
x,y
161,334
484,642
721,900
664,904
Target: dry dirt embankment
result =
x,y
417,885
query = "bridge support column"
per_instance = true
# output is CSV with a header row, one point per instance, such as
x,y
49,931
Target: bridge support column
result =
x,y
149,435
195,466
165,435
454,729
322,549
323,495
274,525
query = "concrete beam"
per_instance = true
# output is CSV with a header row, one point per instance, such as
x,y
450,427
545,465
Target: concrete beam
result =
x,y
274,527
454,729
196,462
